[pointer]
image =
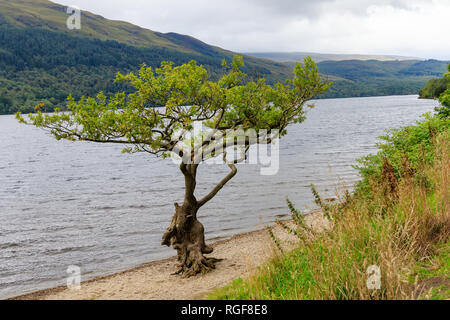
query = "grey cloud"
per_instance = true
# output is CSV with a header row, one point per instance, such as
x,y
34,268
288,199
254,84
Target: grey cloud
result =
x,y
292,7
340,26
314,8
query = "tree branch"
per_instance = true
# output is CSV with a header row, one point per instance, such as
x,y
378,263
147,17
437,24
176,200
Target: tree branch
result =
x,y
221,184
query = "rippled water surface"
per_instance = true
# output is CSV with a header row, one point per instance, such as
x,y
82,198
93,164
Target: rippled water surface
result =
x,y
84,204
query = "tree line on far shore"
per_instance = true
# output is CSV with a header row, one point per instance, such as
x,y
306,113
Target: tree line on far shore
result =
x,y
439,89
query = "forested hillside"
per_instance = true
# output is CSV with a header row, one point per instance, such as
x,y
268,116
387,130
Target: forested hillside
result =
x,y
41,61
40,66
376,78
365,75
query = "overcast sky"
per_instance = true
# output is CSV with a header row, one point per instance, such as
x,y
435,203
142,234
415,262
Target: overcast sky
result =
x,y
399,27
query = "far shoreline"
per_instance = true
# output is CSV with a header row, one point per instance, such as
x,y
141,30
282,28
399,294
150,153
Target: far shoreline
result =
x,y
317,99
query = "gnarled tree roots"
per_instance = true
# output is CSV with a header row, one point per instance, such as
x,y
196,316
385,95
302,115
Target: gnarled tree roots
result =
x,y
187,235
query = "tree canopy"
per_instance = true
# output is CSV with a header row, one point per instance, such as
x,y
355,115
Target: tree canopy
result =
x,y
168,99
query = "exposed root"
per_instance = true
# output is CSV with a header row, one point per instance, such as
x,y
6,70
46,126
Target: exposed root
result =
x,y
187,235
197,267
193,262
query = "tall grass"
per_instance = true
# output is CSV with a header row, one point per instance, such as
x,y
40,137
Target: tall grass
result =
x,y
398,219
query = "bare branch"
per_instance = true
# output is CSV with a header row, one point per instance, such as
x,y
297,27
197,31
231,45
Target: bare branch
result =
x,y
221,184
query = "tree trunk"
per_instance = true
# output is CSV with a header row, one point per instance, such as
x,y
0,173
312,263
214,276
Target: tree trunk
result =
x,y
186,234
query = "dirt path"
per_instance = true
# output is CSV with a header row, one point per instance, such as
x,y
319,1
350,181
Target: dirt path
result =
x,y
153,281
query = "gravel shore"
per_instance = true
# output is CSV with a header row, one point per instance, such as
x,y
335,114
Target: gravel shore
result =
x,y
241,255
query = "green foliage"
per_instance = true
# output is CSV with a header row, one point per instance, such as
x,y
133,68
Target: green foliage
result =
x,y
439,266
434,88
185,94
406,150
444,99
439,89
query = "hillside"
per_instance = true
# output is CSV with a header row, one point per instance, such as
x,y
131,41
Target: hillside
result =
x,y
376,78
41,61
368,75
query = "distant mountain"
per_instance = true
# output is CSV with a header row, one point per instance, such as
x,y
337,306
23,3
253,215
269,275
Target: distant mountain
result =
x,y
318,57
357,69
42,61
358,78
365,75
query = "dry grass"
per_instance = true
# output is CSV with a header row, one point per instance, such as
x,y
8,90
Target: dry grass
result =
x,y
398,227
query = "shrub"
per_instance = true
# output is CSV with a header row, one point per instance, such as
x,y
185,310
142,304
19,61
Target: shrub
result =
x,y
406,150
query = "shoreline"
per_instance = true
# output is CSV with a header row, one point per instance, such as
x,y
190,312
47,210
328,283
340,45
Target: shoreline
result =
x,y
316,99
241,255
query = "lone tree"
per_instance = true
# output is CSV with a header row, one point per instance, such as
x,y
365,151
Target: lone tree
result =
x,y
164,107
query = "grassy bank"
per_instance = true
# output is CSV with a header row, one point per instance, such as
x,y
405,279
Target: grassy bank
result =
x,y
397,219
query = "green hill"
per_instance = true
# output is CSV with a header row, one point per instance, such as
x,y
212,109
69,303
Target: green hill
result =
x,y
368,75
41,61
375,78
